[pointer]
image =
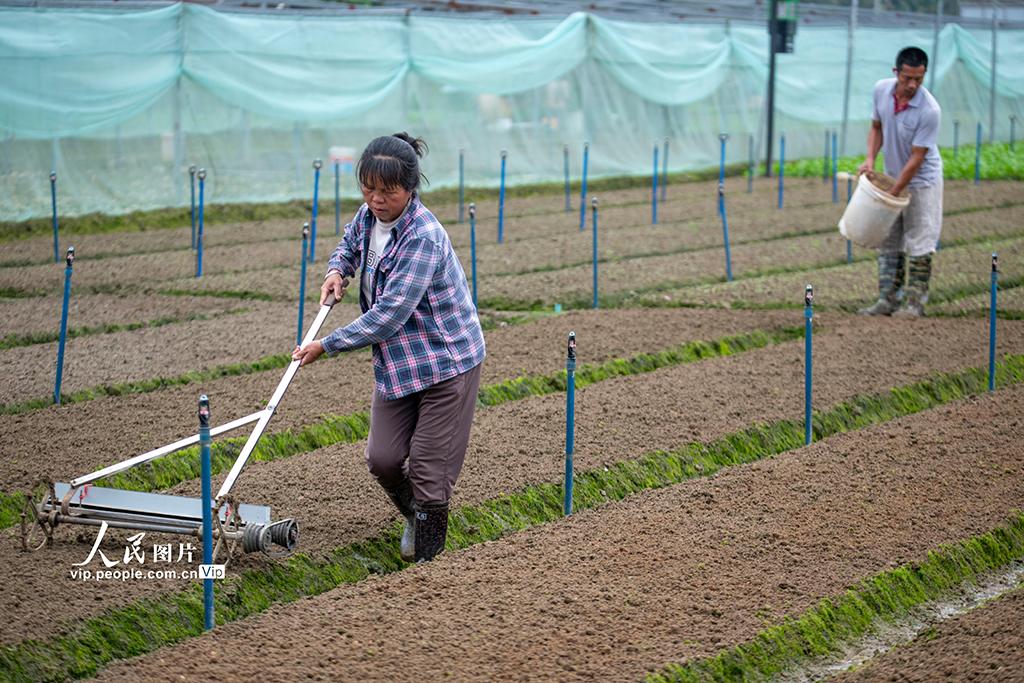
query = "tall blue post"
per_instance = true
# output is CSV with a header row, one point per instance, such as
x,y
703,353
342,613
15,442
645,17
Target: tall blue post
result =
x,y
992,325
593,204
302,282
204,446
835,169
570,409
664,170
317,164
721,205
70,260
53,204
849,196
472,246
565,166
956,138
808,360
782,167
192,201
501,200
583,186
462,183
977,156
654,189
337,200
750,164
824,159
199,231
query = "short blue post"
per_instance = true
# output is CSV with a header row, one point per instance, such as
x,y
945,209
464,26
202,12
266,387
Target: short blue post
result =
x,y
204,445
570,400
1013,131
462,183
664,170
53,203
782,167
565,166
992,325
302,282
63,323
835,169
977,156
808,361
337,200
956,137
593,204
824,159
750,164
501,200
654,189
583,186
472,246
192,201
849,196
317,164
725,231
199,232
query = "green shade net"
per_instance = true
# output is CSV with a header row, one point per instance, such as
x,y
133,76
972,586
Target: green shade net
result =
x,y
121,103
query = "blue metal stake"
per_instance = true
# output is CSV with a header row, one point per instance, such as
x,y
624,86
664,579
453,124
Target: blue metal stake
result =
x,y
664,170
809,361
725,231
192,201
501,200
472,246
782,167
337,200
317,164
583,186
570,400
849,196
977,156
565,165
722,137
992,325
593,204
53,202
302,282
462,183
750,164
1013,131
824,160
63,323
956,137
835,169
204,445
199,234
654,189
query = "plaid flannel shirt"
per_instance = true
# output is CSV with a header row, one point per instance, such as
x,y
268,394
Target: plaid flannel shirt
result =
x,y
421,320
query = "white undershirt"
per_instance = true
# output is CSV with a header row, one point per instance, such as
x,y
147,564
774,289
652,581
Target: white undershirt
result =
x,y
379,239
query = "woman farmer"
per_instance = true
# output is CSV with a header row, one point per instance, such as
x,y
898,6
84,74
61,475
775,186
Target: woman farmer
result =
x,y
419,318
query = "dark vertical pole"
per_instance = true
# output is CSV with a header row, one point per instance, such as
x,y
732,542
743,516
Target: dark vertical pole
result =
x,y
1013,130
206,473
472,246
773,9
63,323
53,204
824,158
570,399
808,361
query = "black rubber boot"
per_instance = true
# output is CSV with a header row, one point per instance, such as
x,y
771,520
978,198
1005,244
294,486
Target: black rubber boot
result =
x,y
917,287
401,496
431,529
891,269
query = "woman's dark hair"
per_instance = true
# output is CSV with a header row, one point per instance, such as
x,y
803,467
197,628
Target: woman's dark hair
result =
x,y
392,161
912,57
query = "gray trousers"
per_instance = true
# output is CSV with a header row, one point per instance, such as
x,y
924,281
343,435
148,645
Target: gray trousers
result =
x,y
916,231
423,436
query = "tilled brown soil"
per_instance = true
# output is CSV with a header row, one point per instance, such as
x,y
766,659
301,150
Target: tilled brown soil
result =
x,y
522,443
983,645
668,575
105,430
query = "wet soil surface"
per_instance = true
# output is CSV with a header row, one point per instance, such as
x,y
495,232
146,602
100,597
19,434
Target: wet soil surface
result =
x,y
522,443
664,576
984,644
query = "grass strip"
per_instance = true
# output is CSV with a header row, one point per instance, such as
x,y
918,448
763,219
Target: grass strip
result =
x,y
151,623
834,621
15,340
183,465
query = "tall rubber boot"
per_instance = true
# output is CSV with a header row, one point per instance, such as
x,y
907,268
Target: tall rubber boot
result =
x,y
891,267
401,496
917,287
431,529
